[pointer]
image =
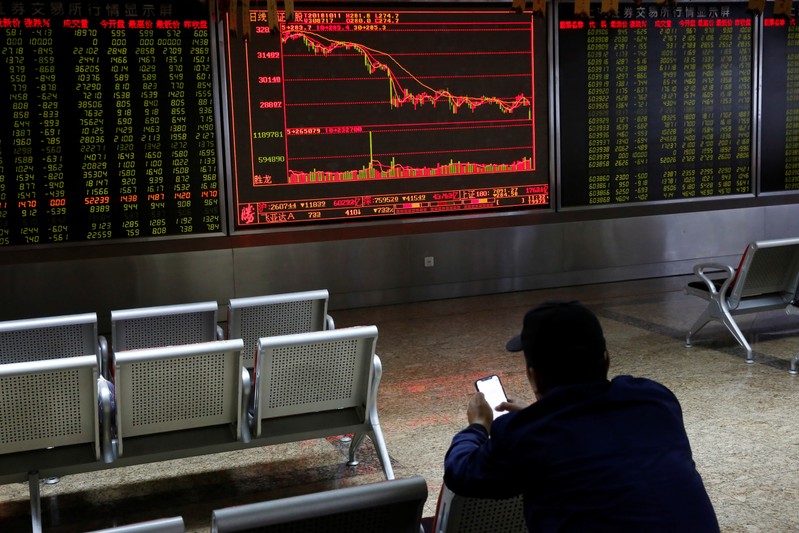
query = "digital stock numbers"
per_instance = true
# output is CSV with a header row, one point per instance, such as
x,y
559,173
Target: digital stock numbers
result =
x,y
780,104
358,114
108,122
655,103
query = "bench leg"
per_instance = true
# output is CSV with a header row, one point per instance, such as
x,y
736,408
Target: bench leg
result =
x,y
718,311
793,371
706,316
355,443
380,447
36,503
382,451
736,332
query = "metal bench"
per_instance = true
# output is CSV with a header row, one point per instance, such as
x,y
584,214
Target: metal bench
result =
x,y
319,384
276,314
59,417
766,279
388,507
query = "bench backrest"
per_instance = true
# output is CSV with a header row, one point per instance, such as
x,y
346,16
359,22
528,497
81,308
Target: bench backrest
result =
x,y
315,371
276,314
45,338
166,325
767,267
175,388
49,403
388,507
162,525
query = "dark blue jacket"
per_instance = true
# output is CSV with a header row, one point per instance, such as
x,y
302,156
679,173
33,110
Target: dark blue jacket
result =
x,y
606,456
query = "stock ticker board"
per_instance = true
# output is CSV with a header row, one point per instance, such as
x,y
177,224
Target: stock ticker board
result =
x,y
348,115
655,103
780,105
107,121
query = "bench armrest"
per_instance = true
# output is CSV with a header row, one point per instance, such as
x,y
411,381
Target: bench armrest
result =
x,y
703,269
246,391
106,408
103,357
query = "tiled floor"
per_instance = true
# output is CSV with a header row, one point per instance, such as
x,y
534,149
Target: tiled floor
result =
x,y
741,418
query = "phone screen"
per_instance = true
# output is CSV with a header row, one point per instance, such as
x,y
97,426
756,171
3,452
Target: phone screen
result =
x,y
494,393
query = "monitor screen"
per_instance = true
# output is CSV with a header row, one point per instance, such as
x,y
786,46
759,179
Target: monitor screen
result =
x,y
655,103
108,121
365,114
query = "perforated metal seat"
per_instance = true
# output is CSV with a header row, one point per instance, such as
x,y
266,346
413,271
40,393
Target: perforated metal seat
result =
x,y
459,514
48,421
386,507
166,325
766,279
319,384
252,318
178,401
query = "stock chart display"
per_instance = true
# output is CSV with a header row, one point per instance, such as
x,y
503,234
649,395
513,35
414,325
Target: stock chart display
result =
x,y
355,114
780,105
108,126
655,103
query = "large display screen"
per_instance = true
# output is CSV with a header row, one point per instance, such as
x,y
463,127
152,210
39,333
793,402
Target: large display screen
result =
x,y
655,103
359,114
779,131
108,121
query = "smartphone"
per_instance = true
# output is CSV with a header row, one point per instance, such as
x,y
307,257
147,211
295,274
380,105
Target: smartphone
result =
x,y
494,393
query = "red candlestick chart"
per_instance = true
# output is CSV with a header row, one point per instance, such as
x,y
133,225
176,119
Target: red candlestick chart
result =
x,y
358,109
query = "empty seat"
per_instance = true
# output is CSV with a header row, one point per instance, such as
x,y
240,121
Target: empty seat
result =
x,y
178,401
766,279
319,384
255,317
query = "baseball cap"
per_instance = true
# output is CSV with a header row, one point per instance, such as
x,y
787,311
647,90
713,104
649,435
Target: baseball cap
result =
x,y
560,337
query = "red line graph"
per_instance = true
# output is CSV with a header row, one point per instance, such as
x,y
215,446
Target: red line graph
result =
x,y
398,94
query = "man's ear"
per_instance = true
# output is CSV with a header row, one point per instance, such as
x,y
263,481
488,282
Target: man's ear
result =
x,y
532,377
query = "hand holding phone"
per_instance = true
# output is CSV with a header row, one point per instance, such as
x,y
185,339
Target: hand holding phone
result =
x,y
494,393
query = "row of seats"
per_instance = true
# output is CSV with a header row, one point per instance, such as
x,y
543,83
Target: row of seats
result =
x,y
247,318
174,395
394,506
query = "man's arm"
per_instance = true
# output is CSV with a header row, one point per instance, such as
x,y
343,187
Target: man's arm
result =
x,y
473,466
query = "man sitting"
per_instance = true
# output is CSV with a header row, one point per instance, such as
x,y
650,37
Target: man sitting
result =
x,y
588,454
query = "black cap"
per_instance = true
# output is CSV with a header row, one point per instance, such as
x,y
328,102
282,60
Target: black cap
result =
x,y
561,337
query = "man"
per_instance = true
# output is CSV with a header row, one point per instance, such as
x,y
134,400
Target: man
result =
x,y
588,454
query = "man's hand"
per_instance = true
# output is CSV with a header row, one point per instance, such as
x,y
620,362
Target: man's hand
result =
x,y
479,412
510,405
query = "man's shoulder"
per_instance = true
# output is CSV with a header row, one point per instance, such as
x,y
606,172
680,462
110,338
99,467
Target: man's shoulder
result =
x,y
631,386
634,382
